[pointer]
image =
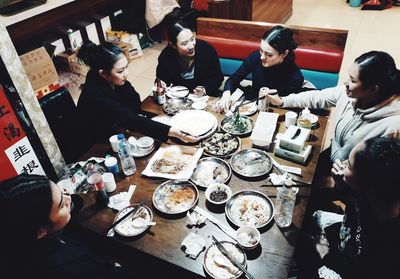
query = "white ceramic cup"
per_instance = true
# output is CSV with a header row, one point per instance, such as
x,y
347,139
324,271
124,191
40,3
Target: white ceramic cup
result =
x,y
109,182
290,118
114,142
145,144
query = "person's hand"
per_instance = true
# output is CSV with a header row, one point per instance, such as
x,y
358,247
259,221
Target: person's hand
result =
x,y
337,170
199,91
272,97
185,137
225,102
394,135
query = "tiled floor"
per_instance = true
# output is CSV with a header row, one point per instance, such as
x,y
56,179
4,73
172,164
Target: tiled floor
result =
x,y
368,30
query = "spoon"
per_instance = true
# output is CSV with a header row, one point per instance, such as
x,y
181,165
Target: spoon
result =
x,y
140,223
222,262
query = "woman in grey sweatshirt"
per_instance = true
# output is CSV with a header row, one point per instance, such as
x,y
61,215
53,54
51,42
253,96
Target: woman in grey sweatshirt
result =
x,y
367,105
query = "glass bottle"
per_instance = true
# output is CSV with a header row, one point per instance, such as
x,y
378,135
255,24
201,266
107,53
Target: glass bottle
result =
x,y
127,161
284,204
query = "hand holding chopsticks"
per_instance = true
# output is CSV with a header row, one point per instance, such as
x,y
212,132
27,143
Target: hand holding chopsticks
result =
x,y
232,259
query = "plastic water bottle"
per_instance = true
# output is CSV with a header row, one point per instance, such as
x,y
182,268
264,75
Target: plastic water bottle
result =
x,y
95,181
127,161
284,205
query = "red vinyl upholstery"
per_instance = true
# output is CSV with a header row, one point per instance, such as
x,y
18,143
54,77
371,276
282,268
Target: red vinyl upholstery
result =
x,y
306,58
200,5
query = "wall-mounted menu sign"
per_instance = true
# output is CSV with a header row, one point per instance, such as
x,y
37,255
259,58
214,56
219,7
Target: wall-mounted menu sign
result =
x,y
16,153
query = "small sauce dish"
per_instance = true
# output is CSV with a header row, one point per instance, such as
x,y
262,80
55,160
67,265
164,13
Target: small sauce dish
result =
x,y
248,237
218,193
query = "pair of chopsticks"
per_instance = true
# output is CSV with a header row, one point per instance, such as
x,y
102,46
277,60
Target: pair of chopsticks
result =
x,y
248,102
232,258
130,213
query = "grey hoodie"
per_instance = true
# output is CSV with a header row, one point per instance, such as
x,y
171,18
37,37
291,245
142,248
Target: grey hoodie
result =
x,y
351,125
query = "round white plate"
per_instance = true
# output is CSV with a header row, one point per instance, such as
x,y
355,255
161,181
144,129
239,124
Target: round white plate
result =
x,y
195,122
218,272
177,92
138,153
248,109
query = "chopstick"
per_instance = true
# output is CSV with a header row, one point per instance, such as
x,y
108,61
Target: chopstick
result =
x,y
232,258
130,212
250,101
280,171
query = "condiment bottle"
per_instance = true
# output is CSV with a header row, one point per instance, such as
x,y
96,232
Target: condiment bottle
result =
x,y
160,92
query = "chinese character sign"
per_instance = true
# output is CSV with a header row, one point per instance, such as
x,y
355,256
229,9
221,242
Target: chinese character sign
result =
x,y
16,153
23,158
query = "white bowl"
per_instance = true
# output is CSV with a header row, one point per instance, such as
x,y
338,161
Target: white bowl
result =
x,y
218,187
145,143
248,237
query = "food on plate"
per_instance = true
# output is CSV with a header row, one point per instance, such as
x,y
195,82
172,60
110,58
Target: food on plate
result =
x,y
251,210
173,106
237,124
248,109
218,195
220,144
171,162
130,227
177,197
251,163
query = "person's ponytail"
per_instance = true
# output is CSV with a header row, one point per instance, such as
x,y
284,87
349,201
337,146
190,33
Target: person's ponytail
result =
x,y
87,53
101,57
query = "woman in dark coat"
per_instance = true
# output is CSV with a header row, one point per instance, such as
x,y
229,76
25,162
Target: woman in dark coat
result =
x,y
33,212
272,66
189,62
108,99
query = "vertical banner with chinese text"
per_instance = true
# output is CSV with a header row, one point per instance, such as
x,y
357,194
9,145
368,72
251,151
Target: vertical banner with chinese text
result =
x,y
16,152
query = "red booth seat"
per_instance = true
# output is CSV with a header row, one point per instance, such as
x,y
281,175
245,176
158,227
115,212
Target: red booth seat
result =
x,y
306,58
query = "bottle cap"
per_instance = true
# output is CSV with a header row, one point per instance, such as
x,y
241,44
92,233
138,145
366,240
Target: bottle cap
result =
x,y
121,136
288,183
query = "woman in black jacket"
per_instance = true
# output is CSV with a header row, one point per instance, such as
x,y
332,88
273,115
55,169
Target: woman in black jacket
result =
x,y
189,62
33,213
108,99
273,66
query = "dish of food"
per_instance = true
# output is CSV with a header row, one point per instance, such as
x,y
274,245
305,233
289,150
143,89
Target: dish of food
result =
x,y
220,267
174,196
220,144
249,208
210,170
173,106
136,224
195,122
173,162
251,162
177,92
248,109
237,124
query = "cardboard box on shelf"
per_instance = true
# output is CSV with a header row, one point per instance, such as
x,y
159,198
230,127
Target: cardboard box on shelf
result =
x,y
124,39
41,71
69,62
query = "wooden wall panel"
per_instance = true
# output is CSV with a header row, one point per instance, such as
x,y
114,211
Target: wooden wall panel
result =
x,y
252,31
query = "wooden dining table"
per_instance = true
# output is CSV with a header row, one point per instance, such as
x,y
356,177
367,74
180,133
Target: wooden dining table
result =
x,y
270,259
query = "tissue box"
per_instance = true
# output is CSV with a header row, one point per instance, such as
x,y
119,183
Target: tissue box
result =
x,y
297,157
264,129
291,142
